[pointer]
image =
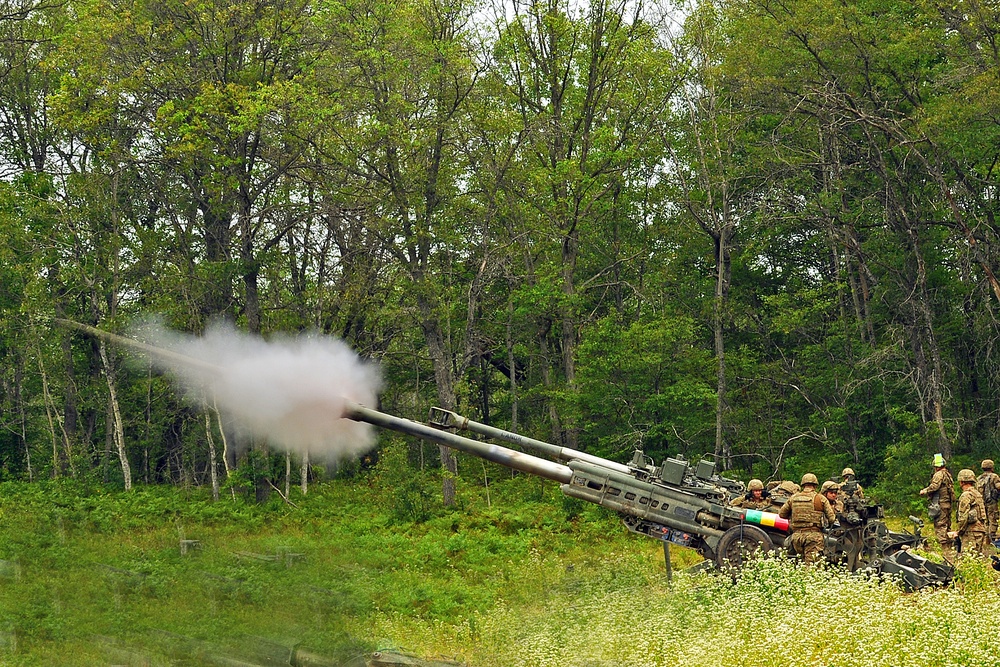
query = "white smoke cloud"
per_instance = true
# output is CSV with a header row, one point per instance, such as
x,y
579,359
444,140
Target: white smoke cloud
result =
x,y
288,390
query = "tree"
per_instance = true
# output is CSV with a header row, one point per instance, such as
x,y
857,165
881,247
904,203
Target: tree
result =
x,y
588,93
401,76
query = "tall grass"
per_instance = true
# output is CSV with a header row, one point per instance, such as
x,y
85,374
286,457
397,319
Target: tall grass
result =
x,y
777,613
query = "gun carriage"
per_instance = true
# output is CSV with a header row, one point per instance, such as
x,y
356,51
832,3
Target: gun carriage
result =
x,y
689,504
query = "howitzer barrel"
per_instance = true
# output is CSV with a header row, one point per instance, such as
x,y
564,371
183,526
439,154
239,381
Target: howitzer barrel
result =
x,y
452,420
151,350
495,453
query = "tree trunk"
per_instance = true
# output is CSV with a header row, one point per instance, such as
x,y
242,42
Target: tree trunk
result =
x,y
512,366
547,381
70,399
445,385
212,470
22,415
304,473
47,399
288,474
119,434
722,449
568,329
251,274
226,454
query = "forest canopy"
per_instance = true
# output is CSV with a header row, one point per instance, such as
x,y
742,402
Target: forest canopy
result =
x,y
760,231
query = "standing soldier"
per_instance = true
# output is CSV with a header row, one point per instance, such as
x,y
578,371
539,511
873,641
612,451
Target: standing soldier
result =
x,y
755,498
940,493
971,516
806,511
848,476
988,486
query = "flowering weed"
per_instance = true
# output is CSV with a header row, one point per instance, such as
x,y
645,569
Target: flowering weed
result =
x,y
777,613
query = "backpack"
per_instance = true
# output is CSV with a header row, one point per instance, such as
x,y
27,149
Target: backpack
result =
x,y
986,485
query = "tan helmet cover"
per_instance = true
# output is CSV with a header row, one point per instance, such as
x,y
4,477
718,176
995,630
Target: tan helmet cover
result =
x,y
788,486
966,475
809,478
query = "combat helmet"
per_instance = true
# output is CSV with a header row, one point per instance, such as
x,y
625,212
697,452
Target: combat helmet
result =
x,y
847,471
987,464
789,487
966,475
755,485
809,478
938,461
829,485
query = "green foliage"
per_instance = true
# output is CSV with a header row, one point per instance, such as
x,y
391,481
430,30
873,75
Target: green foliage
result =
x,y
645,384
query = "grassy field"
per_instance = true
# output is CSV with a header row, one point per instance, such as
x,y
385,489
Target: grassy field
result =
x,y
515,575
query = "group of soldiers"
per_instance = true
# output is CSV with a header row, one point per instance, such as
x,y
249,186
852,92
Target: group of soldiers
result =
x,y
976,519
807,506
810,507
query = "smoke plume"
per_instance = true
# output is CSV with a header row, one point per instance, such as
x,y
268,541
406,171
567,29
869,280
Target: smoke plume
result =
x,y
288,390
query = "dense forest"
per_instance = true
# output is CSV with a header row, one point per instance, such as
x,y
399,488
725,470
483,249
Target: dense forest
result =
x,y
756,229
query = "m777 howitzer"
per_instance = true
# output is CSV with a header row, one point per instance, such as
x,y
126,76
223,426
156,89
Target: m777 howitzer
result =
x,y
675,502
688,505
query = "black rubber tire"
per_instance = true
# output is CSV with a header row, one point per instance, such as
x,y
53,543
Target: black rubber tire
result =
x,y
740,543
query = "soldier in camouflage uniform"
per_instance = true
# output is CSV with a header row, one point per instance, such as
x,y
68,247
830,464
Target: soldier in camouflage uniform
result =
x,y
831,490
755,498
780,494
988,486
807,511
971,525
940,493
848,476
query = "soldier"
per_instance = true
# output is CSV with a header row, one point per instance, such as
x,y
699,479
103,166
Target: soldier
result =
x,y
971,516
832,491
940,493
988,486
755,498
847,475
807,511
781,492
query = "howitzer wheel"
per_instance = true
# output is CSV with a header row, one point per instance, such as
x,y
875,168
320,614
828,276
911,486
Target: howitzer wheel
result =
x,y
875,535
739,544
